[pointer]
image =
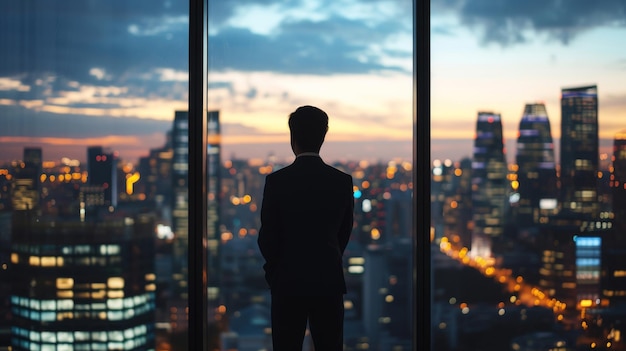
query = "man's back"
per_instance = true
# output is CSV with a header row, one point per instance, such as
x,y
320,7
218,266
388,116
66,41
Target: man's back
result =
x,y
307,218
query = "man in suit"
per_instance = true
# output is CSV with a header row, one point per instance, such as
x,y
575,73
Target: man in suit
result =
x,y
306,221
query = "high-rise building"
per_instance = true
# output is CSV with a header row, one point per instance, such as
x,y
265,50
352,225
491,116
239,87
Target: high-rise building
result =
x,y
614,245
82,285
25,189
579,151
214,167
489,183
536,169
457,212
618,182
102,172
156,177
180,201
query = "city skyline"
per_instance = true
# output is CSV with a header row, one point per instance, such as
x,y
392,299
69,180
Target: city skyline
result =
x,y
510,56
388,186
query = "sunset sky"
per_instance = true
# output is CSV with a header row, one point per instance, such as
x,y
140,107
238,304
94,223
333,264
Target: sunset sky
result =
x,y
76,73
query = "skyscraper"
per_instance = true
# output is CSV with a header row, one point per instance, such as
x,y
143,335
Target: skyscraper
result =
x,y
156,175
579,151
618,182
102,172
180,201
457,213
214,167
614,245
26,186
489,183
536,176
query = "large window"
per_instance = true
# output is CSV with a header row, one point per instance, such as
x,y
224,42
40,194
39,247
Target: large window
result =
x,y
135,138
526,213
354,60
93,156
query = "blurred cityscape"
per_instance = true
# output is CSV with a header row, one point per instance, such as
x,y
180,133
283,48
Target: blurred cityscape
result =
x,y
95,252
525,256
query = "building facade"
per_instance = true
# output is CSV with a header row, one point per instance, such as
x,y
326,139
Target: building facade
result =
x,y
536,169
489,183
82,285
579,151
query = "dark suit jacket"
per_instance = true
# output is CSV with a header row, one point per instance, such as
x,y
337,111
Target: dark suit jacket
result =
x,y
306,221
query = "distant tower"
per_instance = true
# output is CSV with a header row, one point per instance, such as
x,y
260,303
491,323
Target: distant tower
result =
x,y
214,166
102,172
156,175
489,184
26,186
618,182
180,200
614,251
579,151
536,174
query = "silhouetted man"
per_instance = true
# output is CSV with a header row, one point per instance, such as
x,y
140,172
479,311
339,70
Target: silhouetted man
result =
x,y
306,221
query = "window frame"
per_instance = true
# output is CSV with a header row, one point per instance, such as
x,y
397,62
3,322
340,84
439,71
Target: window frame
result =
x,y
197,250
422,283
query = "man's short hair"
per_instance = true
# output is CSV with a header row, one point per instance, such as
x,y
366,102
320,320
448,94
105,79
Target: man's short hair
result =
x,y
308,126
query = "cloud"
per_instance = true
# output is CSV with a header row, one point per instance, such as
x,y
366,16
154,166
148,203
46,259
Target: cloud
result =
x,y
69,38
93,69
137,51
513,22
17,121
621,64
302,48
311,37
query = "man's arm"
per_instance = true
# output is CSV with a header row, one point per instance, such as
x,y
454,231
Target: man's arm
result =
x,y
267,232
348,217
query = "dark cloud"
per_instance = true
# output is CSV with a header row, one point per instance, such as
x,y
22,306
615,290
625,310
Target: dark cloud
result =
x,y
124,50
512,22
67,38
17,121
327,47
221,11
52,46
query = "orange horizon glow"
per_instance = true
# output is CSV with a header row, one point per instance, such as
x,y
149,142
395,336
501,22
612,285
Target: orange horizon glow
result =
x,y
105,140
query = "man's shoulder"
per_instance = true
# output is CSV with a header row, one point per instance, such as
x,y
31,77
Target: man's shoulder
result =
x,y
337,171
280,174
291,169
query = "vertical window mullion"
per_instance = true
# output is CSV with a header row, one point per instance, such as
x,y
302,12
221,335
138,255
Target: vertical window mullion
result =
x,y
421,175
197,268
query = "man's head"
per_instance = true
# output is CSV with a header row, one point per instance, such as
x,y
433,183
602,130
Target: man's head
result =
x,y
307,126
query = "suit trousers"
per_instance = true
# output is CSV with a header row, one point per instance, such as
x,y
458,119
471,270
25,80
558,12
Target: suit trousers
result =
x,y
323,313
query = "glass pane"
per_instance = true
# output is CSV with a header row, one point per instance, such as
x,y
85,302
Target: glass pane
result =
x,y
92,231
354,60
527,176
